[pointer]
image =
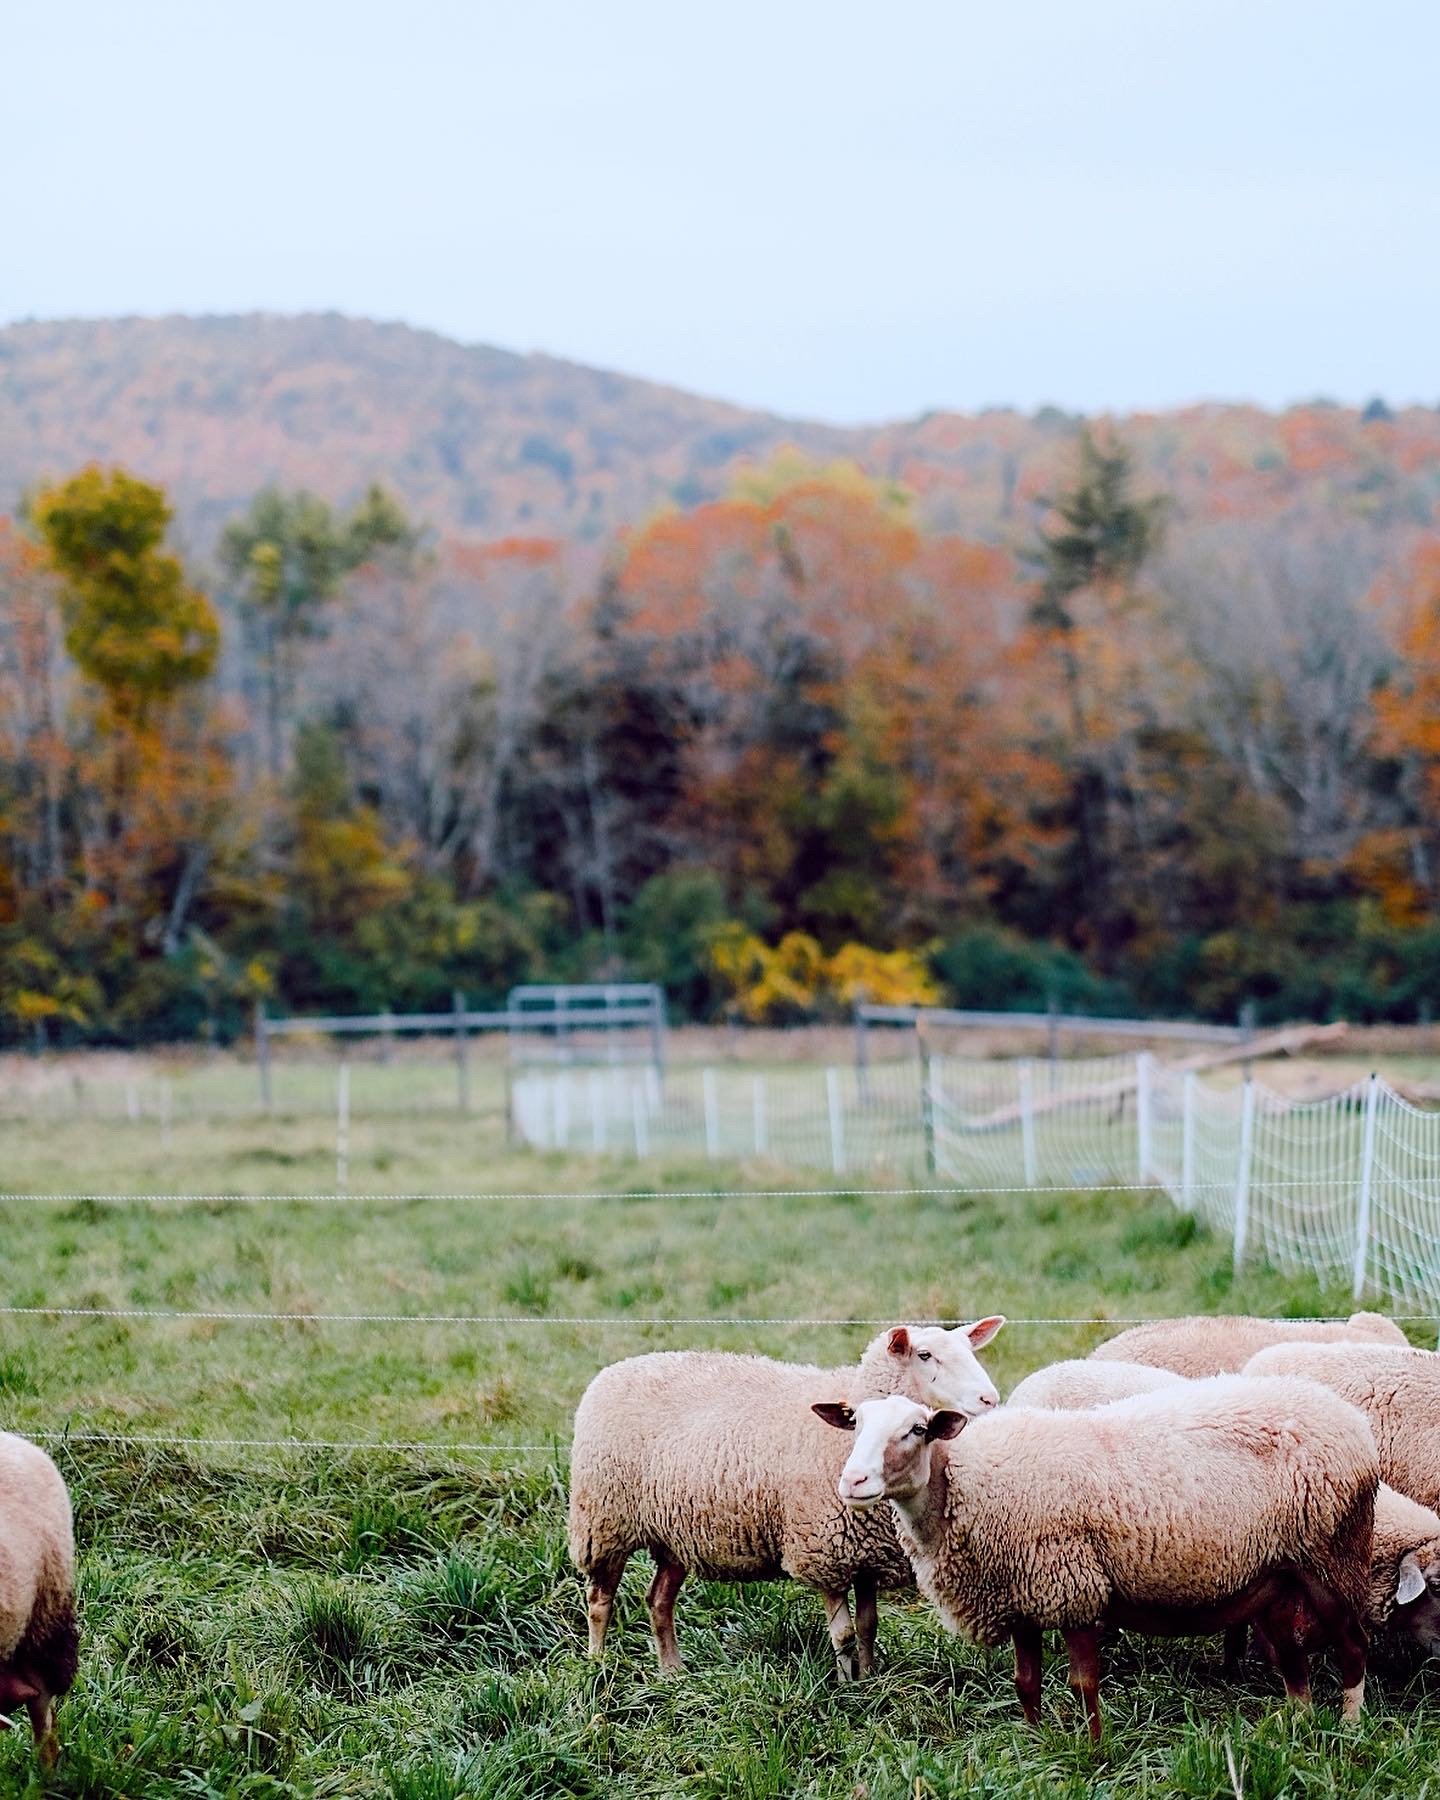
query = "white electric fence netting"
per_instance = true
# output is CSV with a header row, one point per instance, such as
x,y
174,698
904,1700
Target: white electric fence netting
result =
x,y
1345,1188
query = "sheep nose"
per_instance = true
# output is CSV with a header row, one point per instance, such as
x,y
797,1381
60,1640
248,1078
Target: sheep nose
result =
x,y
989,1400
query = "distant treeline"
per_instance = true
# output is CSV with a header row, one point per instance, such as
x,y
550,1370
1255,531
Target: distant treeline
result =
x,y
775,752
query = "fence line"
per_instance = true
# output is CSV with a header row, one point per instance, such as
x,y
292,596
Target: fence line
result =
x,y
169,1440
1347,1188
636,1320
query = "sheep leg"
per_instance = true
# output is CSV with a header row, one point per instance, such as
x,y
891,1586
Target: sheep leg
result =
x,y
867,1621
600,1599
1350,1654
842,1632
661,1601
1279,1628
1237,1639
1083,1644
1026,1639
42,1722
1350,1642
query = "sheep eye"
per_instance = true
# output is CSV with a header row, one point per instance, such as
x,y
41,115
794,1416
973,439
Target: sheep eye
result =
x,y
917,1431
924,1355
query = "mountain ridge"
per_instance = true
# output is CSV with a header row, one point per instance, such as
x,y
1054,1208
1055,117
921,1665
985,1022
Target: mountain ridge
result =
x,y
489,442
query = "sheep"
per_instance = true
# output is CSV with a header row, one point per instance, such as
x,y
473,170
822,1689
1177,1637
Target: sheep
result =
x,y
714,1464
1397,1390
1405,1569
1190,1509
38,1639
1068,1386
1202,1345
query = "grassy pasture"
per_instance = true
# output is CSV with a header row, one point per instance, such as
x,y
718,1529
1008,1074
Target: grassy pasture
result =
x,y
406,1626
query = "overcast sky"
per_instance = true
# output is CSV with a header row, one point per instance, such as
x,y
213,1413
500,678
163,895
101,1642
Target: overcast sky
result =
x,y
850,211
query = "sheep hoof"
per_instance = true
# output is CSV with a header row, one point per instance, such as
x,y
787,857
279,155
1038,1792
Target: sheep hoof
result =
x,y
1354,1703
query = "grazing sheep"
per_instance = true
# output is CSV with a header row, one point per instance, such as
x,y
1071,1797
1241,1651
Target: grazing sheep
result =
x,y
1069,1386
1201,1346
1404,1594
715,1464
38,1641
1405,1570
1188,1510
1397,1390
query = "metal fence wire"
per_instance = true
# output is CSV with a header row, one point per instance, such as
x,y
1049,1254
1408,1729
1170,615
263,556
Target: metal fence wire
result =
x,y
1347,1187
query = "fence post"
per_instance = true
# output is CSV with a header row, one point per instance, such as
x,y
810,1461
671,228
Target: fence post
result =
x,y
1187,1144
387,1035
1367,1179
1242,1174
167,1100
132,1102
657,1032
262,1055
462,1052
862,1050
712,1114
342,1127
927,1102
562,1109
1142,1115
761,1124
1027,1121
597,1112
1052,1033
837,1127
640,1121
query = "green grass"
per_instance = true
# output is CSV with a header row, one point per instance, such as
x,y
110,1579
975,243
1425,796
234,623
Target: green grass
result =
x,y
407,1626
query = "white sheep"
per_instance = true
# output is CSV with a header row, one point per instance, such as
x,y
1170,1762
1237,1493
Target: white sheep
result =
x,y
38,1639
715,1464
1081,1382
1221,1345
1188,1510
1397,1390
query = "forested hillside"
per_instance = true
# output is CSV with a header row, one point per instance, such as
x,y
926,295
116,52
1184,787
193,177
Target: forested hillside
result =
x,y
486,443
452,668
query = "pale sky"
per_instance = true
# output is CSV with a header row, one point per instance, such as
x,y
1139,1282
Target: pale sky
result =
x,y
837,210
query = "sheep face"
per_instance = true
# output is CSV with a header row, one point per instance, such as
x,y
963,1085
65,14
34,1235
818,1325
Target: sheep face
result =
x,y
1417,1596
891,1458
939,1368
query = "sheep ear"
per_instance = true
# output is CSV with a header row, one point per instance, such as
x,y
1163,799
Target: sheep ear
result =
x,y
1412,1580
944,1424
981,1332
899,1341
836,1413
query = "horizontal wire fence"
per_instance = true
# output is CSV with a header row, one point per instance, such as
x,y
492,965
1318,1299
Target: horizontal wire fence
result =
x,y
1346,1188
555,1448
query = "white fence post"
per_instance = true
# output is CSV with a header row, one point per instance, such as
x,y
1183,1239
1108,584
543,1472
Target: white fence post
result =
x,y
837,1124
597,1112
1142,1116
1027,1121
1367,1179
761,1123
1187,1144
562,1110
132,1102
342,1127
712,1114
167,1102
641,1121
1242,1174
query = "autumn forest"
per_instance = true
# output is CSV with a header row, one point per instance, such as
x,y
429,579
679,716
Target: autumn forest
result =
x,y
1133,747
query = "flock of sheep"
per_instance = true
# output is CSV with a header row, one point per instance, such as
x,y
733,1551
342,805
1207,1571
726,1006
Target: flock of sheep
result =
x,y
1192,1476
